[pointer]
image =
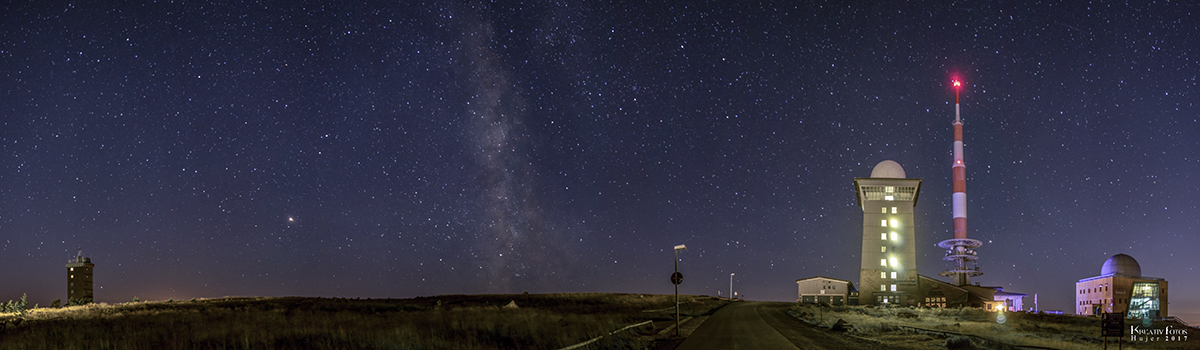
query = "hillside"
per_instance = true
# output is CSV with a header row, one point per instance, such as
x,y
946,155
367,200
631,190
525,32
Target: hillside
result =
x,y
538,321
932,328
527,321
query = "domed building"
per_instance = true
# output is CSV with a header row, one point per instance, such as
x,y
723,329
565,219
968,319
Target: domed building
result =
x,y
1120,287
889,255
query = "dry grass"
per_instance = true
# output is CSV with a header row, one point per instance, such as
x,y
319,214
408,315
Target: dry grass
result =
x,y
1019,329
542,321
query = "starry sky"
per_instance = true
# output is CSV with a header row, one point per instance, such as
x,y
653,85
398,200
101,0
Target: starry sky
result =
x,y
197,149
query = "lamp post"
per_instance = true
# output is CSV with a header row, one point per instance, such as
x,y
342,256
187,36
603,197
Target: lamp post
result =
x,y
677,278
731,286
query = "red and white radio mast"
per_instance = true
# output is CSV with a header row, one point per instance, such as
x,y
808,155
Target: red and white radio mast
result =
x,y
960,249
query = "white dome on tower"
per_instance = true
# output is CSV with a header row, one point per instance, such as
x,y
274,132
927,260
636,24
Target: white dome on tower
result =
x,y
1121,264
888,169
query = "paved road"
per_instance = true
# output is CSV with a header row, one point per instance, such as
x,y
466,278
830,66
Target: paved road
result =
x,y
736,326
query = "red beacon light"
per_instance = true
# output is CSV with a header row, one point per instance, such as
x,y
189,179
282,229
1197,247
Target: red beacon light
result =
x,y
957,85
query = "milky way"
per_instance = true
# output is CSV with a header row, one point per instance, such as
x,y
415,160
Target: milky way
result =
x,y
518,239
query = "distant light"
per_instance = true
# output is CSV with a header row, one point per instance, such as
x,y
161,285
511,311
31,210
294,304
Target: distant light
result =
x,y
957,83
681,247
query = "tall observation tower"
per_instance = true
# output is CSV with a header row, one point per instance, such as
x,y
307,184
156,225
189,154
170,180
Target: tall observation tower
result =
x,y
889,253
960,250
79,279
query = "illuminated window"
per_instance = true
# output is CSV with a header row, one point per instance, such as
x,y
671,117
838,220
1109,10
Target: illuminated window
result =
x,y
895,223
883,249
883,275
893,288
893,210
883,288
883,236
894,238
884,210
72,269
893,261
889,189
883,223
889,198
893,274
882,262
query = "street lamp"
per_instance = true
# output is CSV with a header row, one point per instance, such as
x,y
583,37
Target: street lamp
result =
x,y
731,286
676,279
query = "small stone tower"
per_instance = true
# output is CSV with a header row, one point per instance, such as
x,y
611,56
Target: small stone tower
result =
x,y
79,278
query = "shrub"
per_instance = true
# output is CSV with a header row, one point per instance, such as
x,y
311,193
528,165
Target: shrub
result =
x,y
958,343
19,307
56,304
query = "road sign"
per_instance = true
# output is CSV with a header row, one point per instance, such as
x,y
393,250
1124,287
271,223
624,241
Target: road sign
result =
x,y
1113,324
677,278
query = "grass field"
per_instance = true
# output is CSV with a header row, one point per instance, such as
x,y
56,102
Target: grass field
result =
x,y
541,321
907,327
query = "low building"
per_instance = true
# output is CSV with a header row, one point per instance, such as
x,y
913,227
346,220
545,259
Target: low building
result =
x,y
936,293
821,289
1011,301
1120,287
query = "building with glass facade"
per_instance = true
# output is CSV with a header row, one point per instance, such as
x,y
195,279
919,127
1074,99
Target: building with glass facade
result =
x,y
1120,287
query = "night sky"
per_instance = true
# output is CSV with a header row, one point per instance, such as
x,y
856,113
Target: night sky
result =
x,y
401,150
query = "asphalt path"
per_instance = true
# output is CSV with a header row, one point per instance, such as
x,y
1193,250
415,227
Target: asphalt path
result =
x,y
736,326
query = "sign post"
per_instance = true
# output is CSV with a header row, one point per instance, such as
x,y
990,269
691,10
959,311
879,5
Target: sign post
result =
x,y
1112,325
676,279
